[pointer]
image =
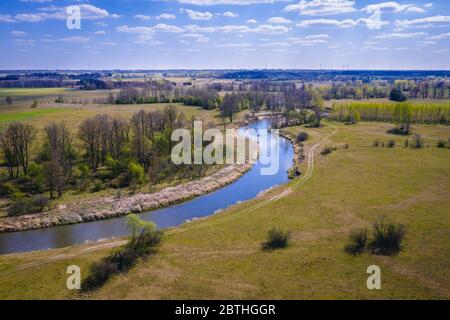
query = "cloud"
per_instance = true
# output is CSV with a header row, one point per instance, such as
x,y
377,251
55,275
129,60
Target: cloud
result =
x,y
76,39
88,12
227,2
18,33
197,15
423,22
389,36
310,40
230,14
440,36
392,6
166,16
280,20
347,23
251,21
322,7
234,45
142,17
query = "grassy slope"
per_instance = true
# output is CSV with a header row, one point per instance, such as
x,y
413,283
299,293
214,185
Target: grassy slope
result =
x,y
220,257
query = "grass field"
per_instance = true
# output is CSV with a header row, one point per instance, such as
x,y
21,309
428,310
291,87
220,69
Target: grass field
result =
x,y
27,115
221,257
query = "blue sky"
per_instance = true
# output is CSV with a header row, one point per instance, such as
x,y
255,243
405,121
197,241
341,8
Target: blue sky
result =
x,y
217,34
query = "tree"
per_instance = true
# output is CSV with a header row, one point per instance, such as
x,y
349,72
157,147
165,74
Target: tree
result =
x,y
16,142
402,117
9,100
229,106
34,105
90,135
397,95
60,149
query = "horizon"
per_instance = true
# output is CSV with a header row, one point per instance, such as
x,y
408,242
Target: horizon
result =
x,y
226,35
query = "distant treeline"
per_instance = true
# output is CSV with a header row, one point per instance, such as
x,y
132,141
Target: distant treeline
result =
x,y
392,112
332,75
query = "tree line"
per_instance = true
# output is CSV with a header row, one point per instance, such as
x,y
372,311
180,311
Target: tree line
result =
x,y
104,152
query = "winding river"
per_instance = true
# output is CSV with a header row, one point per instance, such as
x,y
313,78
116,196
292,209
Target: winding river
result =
x,y
247,187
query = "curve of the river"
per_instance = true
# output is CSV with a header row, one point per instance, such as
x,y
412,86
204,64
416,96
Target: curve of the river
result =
x,y
246,188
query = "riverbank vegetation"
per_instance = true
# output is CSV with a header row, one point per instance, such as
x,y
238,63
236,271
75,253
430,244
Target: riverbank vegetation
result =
x,y
104,152
221,257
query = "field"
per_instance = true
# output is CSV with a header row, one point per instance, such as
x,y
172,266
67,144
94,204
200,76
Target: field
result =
x,y
221,257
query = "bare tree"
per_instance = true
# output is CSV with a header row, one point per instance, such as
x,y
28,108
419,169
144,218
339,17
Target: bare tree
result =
x,y
21,136
90,135
61,157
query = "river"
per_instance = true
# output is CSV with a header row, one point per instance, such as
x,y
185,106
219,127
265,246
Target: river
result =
x,y
246,188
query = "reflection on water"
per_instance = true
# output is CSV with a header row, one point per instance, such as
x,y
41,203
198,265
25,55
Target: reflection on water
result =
x,y
248,187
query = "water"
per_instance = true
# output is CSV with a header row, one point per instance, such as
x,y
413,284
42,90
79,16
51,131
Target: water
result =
x,y
247,187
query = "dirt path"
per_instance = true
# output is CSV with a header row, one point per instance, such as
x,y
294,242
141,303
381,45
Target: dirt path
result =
x,y
300,182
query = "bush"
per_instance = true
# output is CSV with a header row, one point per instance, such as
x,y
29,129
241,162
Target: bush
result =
x,y
387,238
98,186
357,242
397,95
28,205
417,142
441,144
390,144
277,239
376,143
302,137
326,150
142,245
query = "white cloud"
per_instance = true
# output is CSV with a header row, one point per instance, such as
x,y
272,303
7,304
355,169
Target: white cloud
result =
x,y
100,32
251,21
346,23
197,15
88,12
227,2
440,36
142,17
321,7
389,36
166,16
18,33
230,14
76,39
280,20
392,6
423,22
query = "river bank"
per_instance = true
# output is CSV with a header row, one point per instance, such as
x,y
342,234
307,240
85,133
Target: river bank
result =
x,y
109,207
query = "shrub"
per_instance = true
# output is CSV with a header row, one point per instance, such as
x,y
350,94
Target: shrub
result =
x,y
390,144
397,95
357,242
387,238
40,202
326,150
302,137
417,142
441,144
23,205
376,143
8,188
121,261
98,186
277,239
